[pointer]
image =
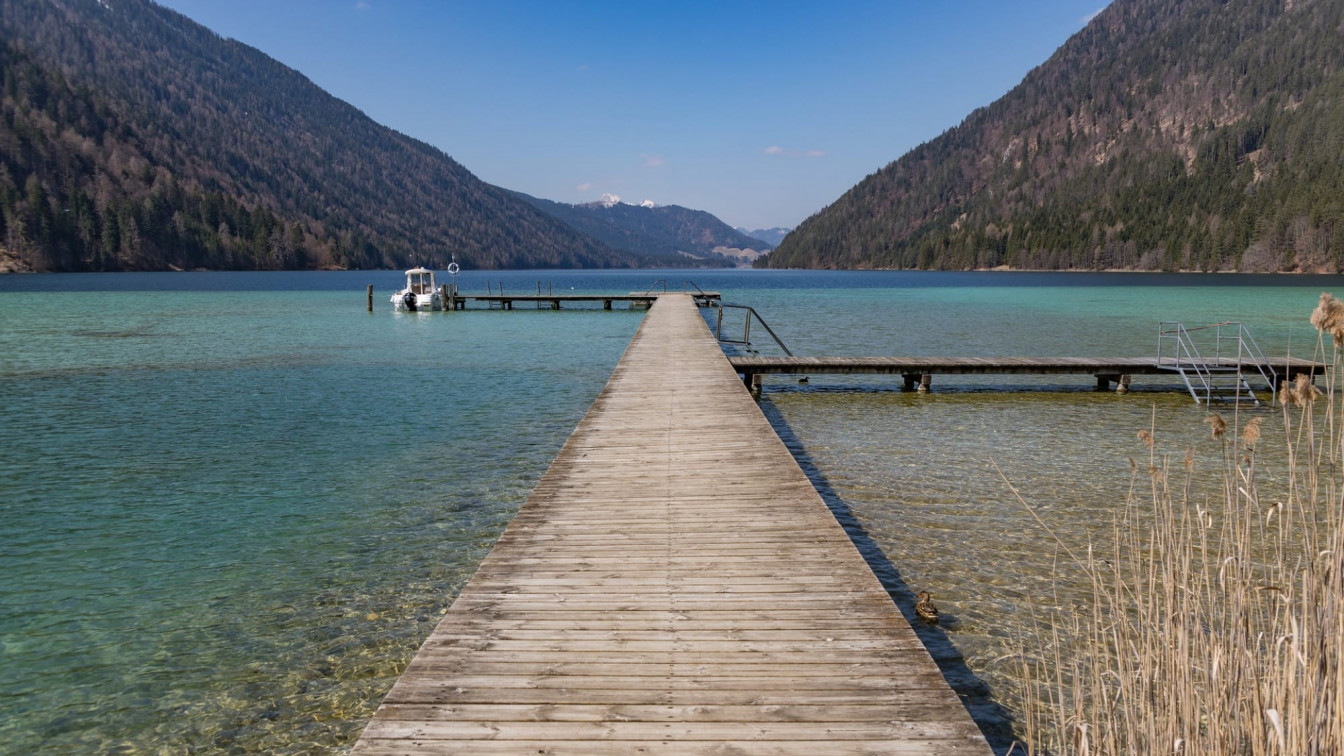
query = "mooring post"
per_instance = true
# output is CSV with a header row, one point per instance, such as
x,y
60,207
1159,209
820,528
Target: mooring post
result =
x,y
370,303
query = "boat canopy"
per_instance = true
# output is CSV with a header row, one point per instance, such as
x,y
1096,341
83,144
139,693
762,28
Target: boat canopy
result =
x,y
420,280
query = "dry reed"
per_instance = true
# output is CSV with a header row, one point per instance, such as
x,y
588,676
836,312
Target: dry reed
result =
x,y
1213,629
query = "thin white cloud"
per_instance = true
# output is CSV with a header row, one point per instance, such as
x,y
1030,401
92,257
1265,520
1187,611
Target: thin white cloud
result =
x,y
584,187
780,151
653,161
362,6
1088,18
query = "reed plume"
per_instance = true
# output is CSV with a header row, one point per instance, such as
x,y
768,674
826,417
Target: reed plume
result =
x,y
1250,432
1300,392
1328,317
1217,424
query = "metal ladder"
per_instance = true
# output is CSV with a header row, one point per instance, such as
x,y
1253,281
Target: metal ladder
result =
x,y
1224,376
745,341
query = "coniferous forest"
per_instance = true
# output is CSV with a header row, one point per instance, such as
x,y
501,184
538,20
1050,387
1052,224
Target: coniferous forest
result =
x,y
132,138
1166,135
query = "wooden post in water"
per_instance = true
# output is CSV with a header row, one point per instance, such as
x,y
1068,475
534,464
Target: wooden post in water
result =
x,y
924,382
370,303
1122,385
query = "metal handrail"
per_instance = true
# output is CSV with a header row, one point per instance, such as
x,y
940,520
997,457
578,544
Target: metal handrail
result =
x,y
662,281
1186,357
1185,345
746,328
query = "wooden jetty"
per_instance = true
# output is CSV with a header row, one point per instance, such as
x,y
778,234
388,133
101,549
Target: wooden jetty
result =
x,y
637,299
674,585
919,371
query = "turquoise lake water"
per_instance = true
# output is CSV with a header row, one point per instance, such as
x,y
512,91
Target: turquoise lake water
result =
x,y
233,505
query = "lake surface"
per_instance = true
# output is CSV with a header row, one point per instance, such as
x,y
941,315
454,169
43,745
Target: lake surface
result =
x,y
232,505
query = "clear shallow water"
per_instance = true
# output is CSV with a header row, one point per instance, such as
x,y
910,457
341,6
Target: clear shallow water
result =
x,y
232,505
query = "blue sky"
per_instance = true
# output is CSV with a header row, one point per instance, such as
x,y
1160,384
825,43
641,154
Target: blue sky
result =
x,y
759,112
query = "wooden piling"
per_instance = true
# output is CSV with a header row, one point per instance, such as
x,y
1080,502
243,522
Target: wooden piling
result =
x,y
370,295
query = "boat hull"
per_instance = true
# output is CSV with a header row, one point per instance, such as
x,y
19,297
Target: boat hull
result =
x,y
401,302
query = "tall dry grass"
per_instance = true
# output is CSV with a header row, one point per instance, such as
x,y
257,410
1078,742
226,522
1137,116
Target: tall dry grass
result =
x,y
1215,627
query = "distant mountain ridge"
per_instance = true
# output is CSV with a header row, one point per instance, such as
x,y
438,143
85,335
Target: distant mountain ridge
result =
x,y
665,234
132,138
771,236
1166,135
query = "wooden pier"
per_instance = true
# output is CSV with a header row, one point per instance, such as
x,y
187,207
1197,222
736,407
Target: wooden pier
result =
x,y
674,585
554,301
917,372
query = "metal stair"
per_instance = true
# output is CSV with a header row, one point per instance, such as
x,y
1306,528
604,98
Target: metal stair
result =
x,y
1233,361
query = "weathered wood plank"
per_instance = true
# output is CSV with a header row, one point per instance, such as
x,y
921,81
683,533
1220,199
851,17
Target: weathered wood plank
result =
x,y
383,747
674,584
665,713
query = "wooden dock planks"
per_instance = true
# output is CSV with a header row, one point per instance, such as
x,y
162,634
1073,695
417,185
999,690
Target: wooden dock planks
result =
x,y
990,365
674,585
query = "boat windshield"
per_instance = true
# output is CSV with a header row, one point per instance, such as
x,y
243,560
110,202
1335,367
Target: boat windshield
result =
x,y
420,282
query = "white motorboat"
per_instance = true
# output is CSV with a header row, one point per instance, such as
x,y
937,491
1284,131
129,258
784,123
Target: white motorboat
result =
x,y
421,293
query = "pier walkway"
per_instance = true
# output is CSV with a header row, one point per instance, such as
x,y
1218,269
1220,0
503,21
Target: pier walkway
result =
x,y
919,370
553,301
674,585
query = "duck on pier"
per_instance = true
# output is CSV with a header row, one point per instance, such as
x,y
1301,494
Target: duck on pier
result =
x,y
925,609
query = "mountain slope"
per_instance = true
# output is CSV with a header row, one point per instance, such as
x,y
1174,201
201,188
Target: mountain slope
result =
x,y
667,234
1168,134
133,138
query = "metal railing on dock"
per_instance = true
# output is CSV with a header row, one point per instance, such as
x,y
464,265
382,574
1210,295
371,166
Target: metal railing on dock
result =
x,y
1221,369
746,328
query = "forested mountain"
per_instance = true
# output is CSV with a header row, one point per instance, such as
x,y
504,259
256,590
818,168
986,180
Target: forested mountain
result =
x,y
1167,134
132,138
663,234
